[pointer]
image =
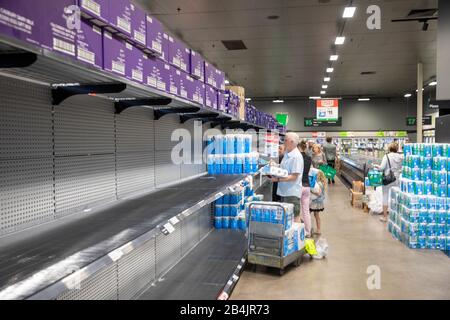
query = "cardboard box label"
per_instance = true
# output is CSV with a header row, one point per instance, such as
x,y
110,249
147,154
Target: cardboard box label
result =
x,y
90,45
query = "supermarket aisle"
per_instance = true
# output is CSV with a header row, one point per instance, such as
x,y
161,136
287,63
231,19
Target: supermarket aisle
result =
x,y
356,241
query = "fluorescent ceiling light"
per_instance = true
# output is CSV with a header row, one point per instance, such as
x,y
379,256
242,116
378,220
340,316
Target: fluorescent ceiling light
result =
x,y
432,84
248,99
408,95
349,12
334,57
323,92
278,101
227,82
325,86
315,98
363,99
339,40
330,70
418,90
327,79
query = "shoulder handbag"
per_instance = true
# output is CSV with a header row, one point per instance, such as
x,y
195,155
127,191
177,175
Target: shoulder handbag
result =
x,y
390,177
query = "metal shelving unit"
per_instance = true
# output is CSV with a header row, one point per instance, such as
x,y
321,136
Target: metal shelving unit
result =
x,y
93,242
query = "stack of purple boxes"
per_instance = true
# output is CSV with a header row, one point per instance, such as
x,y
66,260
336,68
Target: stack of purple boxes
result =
x,y
119,37
231,103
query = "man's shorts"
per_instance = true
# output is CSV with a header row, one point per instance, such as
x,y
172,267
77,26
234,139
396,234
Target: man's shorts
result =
x,y
295,201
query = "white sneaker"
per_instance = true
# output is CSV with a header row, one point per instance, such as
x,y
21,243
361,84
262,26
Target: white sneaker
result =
x,y
383,219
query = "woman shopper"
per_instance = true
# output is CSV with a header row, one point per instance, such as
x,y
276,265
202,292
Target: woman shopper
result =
x,y
316,205
330,154
391,163
318,157
304,199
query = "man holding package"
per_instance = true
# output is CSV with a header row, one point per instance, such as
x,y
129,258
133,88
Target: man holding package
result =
x,y
290,187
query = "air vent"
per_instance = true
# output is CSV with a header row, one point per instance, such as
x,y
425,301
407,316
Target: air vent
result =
x,y
366,73
234,44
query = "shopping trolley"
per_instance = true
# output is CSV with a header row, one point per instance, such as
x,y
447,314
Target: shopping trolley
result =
x,y
266,243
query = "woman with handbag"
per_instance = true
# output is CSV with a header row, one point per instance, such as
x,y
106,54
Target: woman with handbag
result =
x,y
391,166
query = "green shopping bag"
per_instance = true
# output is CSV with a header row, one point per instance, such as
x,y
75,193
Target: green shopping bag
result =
x,y
329,172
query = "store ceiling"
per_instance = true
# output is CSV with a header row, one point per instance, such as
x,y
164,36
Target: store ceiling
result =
x,y
288,56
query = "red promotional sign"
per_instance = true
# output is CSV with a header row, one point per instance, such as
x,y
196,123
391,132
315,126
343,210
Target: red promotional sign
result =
x,y
327,103
327,109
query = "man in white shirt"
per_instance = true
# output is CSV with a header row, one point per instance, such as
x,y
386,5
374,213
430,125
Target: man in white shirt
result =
x,y
290,188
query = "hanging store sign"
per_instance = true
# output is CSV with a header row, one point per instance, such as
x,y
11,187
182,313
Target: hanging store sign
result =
x,y
327,109
282,118
314,122
412,121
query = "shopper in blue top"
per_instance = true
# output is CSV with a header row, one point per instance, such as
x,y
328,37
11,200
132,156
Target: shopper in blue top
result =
x,y
290,188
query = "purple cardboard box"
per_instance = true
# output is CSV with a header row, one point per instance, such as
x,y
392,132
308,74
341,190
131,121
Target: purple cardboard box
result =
x,y
135,59
119,19
97,11
187,86
179,54
174,82
114,54
210,75
20,20
210,97
221,101
220,80
155,75
59,26
90,44
51,24
197,66
138,26
155,36
199,92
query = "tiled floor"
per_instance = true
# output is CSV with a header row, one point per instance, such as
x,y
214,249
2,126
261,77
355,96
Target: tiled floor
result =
x,y
356,241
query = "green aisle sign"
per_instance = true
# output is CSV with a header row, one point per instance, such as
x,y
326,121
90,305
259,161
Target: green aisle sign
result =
x,y
282,118
343,134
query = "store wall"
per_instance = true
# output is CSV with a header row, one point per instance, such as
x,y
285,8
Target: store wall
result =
x,y
377,114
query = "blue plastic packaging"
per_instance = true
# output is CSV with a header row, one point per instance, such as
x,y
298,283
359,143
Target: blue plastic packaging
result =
x,y
218,210
210,145
218,222
218,144
248,143
426,163
241,224
439,163
426,175
231,143
428,188
415,162
226,210
438,150
226,199
407,150
234,223
211,165
226,222
230,158
240,144
234,210
427,150
239,164
247,164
